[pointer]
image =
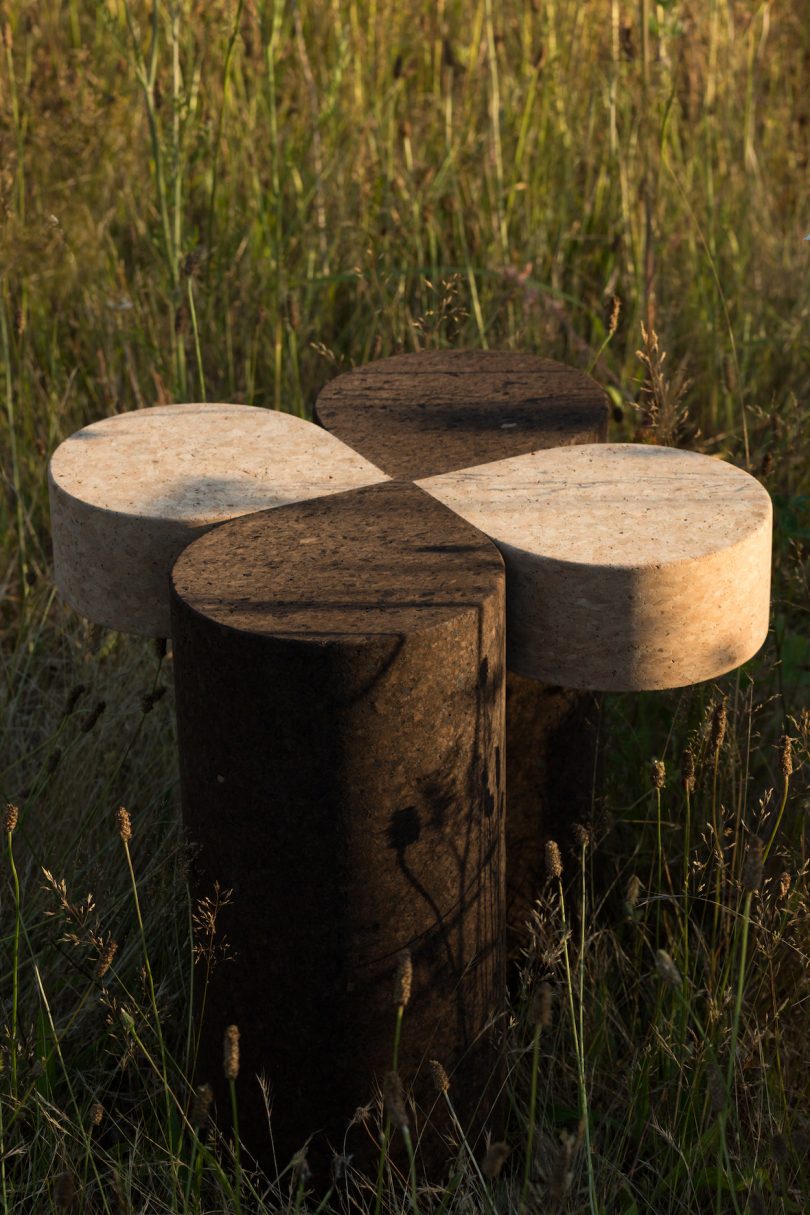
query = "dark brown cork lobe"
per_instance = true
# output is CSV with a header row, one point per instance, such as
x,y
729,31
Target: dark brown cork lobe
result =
x,y
340,702
418,415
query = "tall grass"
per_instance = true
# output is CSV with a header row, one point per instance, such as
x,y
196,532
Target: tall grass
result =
x,y
229,201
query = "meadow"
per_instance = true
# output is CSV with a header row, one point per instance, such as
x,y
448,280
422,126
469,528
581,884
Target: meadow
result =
x,y
233,199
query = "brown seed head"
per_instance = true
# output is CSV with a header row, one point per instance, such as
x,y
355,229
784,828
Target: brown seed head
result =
x,y
394,1097
784,884
150,699
633,891
124,824
615,311
105,958
96,1113
230,1052
11,817
554,866
786,756
754,862
582,835
719,724
74,696
440,1076
658,773
494,1160
542,1007
688,770
92,717
667,969
404,980
200,1105
64,1193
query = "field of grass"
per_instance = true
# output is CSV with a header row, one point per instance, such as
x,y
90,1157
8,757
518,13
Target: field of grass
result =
x,y
228,200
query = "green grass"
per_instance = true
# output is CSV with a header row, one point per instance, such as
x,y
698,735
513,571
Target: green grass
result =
x,y
229,201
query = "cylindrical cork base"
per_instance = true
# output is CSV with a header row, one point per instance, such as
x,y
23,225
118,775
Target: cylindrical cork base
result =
x,y
439,411
340,705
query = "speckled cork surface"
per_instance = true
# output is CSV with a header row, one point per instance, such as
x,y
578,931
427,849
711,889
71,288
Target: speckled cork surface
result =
x,y
130,492
628,567
418,415
340,708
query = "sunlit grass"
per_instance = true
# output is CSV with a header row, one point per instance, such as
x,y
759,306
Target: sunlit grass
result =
x,y
229,201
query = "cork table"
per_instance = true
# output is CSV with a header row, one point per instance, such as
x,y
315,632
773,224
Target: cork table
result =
x,y
341,765
340,670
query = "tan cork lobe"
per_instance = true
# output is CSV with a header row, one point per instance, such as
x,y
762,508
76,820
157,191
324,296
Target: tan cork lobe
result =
x,y
129,493
628,566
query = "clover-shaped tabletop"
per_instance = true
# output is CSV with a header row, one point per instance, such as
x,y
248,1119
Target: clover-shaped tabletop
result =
x,y
628,566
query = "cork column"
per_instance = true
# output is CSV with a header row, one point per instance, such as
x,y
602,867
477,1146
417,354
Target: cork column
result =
x,y
422,415
340,706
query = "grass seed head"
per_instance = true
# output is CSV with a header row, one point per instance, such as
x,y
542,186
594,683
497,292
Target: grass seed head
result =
x,y
11,817
403,980
64,1193
786,756
74,696
554,865
105,958
200,1106
658,773
633,892
615,312
582,835
96,1113
124,824
440,1077
394,1098
494,1159
542,1006
667,969
753,867
230,1052
719,724
91,720
688,770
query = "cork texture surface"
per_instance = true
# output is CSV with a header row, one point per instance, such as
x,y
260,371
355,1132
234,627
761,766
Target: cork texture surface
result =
x,y
418,415
130,492
628,567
